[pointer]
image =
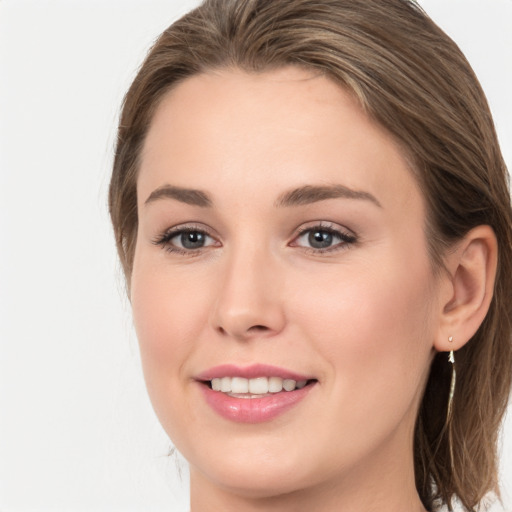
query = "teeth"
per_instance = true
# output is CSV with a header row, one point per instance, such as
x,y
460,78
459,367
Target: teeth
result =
x,y
225,384
275,384
239,385
257,386
289,384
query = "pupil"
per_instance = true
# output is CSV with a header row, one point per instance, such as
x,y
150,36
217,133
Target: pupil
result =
x,y
320,239
192,240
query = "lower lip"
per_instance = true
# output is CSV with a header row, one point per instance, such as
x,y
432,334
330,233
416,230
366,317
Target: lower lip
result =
x,y
253,410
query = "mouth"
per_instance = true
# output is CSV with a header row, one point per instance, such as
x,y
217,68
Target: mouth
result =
x,y
258,387
253,394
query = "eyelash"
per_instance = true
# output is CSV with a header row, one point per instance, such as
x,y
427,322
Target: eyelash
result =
x,y
164,240
347,239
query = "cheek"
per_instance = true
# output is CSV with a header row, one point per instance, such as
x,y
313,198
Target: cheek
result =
x,y
374,328
169,315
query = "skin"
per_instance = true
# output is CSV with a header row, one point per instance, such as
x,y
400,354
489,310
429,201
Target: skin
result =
x,y
364,318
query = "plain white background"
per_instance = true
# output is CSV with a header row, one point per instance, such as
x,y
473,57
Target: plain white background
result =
x,y
77,432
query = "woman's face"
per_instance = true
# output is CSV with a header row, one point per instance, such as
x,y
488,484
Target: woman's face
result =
x,y
281,238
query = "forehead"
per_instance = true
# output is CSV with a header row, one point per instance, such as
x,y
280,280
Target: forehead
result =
x,y
230,131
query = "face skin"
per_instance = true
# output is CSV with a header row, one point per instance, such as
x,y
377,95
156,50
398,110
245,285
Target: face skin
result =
x,y
359,316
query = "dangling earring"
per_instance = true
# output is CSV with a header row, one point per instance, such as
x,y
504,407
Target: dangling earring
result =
x,y
451,359
449,412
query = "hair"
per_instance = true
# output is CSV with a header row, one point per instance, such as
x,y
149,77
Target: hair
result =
x,y
413,80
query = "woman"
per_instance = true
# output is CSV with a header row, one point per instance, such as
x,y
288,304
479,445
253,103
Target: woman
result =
x,y
312,213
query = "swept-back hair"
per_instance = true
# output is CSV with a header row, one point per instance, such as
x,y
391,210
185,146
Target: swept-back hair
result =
x,y
413,80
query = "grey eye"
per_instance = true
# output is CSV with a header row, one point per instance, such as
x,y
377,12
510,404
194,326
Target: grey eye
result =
x,y
320,239
185,240
192,239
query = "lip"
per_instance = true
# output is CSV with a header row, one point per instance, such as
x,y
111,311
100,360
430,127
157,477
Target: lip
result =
x,y
250,372
252,410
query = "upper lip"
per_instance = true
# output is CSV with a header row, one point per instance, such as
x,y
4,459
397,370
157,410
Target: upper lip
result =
x,y
250,372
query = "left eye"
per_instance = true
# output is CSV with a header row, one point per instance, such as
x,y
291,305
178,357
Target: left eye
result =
x,y
323,238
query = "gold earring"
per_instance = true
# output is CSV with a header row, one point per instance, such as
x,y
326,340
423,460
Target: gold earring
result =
x,y
449,412
451,359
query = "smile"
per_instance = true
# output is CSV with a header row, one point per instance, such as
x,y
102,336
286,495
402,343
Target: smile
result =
x,y
258,387
254,394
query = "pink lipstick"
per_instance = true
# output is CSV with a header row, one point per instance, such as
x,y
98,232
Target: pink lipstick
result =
x,y
253,394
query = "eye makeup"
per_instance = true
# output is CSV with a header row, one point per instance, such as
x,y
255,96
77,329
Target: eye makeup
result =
x,y
187,240
318,238
323,237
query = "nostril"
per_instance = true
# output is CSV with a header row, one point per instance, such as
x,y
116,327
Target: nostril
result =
x,y
243,330
258,328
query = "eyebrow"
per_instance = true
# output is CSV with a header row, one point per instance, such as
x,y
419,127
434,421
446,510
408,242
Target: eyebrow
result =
x,y
185,195
313,193
299,196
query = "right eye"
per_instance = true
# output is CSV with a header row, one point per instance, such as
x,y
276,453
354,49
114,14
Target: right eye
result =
x,y
185,240
191,239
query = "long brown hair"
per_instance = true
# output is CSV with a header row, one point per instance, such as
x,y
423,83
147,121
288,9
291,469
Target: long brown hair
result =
x,y
414,81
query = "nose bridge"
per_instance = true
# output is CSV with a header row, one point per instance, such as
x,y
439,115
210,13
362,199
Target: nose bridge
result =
x,y
249,302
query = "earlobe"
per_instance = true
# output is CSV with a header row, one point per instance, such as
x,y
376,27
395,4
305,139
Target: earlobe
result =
x,y
471,274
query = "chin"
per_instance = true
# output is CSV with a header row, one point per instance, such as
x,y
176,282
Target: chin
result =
x,y
258,481
254,473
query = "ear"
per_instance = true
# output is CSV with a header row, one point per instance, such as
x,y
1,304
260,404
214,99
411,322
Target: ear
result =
x,y
469,288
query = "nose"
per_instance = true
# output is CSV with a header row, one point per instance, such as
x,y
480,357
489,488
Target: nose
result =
x,y
250,300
